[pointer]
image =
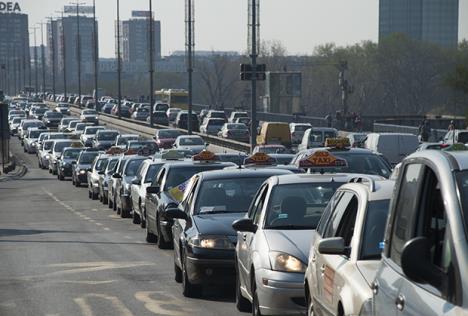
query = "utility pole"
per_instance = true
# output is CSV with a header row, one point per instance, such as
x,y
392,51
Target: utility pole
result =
x,y
24,63
35,62
43,59
119,62
189,43
53,54
15,73
254,25
78,46
29,63
346,89
64,59
95,49
151,61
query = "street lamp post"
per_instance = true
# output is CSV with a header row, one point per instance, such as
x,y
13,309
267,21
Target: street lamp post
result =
x,y
78,45
35,62
189,8
119,62
43,59
53,55
151,61
64,59
95,49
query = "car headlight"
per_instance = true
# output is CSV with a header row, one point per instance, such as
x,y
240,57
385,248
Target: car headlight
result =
x,y
367,308
34,144
47,157
281,261
211,242
82,171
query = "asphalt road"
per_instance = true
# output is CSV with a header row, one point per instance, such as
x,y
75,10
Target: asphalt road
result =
x,y
64,254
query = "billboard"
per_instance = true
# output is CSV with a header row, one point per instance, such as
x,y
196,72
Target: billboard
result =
x,y
81,9
141,14
9,6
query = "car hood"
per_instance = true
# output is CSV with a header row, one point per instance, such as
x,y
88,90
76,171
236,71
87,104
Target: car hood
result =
x,y
105,141
192,148
293,242
217,224
368,269
83,166
53,119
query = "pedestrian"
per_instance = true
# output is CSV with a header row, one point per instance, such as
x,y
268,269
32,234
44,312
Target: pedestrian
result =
x,y
451,126
329,119
424,130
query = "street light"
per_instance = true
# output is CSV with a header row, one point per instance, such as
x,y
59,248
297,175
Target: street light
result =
x,y
119,62
42,58
53,54
151,61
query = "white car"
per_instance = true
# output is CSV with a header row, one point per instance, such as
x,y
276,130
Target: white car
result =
x,y
122,140
194,143
346,249
297,131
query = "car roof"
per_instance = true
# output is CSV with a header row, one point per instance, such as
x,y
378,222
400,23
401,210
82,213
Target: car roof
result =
x,y
241,173
379,190
457,160
317,177
191,163
351,150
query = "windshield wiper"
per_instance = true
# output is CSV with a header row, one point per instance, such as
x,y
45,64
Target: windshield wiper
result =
x,y
215,212
290,227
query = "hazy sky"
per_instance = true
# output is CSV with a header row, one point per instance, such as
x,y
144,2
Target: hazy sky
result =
x,y
221,24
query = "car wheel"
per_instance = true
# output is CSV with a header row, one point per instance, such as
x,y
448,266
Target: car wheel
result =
x,y
242,304
100,198
188,289
177,273
89,194
109,203
105,200
150,237
136,218
39,164
114,204
24,149
255,304
310,306
94,196
50,171
61,177
162,244
143,219
77,184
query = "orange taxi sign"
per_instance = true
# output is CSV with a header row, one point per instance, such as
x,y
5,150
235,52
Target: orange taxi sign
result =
x,y
130,152
114,150
322,159
205,155
337,142
259,159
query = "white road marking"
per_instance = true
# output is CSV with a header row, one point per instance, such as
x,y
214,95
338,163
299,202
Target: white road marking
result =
x,y
86,309
160,306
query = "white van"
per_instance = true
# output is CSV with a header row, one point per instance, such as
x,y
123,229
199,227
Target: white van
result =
x,y
393,146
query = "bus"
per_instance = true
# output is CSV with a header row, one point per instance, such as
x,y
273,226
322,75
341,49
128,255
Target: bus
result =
x,y
176,98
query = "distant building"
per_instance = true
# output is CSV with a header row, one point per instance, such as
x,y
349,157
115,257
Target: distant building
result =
x,y
52,38
434,21
14,47
134,43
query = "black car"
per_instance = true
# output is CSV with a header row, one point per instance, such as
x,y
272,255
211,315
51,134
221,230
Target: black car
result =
x,y
82,166
107,108
204,240
160,196
159,118
67,160
182,119
52,118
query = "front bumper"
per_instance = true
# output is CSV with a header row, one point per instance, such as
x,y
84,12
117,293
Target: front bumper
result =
x,y
66,171
95,187
210,266
280,293
82,178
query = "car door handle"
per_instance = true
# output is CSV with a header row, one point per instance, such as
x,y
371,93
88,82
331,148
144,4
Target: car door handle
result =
x,y
322,269
244,237
400,302
375,288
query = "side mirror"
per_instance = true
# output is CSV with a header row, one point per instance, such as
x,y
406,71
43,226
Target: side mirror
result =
x,y
333,246
174,213
136,181
153,190
417,265
116,176
73,162
244,225
100,172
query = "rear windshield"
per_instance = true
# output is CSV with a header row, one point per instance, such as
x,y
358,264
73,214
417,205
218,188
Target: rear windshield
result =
x,y
92,130
54,114
191,141
301,128
35,133
364,163
71,153
107,135
177,176
48,145
59,146
319,136
217,114
217,122
237,126
463,137
169,134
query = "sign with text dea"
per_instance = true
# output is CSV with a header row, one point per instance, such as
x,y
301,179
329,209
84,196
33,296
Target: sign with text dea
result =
x,y
9,7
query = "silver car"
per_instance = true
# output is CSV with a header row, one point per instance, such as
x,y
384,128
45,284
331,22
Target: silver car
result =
x,y
345,252
274,239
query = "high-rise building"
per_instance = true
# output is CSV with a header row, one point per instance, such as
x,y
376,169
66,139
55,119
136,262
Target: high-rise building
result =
x,y
52,42
14,51
433,21
134,43
68,27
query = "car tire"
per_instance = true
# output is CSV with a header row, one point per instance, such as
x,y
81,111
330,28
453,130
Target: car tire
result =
x,y
89,194
109,203
135,218
162,244
77,184
50,171
150,237
61,177
242,304
39,164
143,219
177,273
94,196
100,197
105,200
114,205
54,172
255,304
188,289
310,306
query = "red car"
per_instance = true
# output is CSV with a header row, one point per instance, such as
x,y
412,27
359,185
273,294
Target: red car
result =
x,y
165,138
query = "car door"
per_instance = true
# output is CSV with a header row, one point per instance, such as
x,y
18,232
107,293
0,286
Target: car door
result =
x,y
140,176
403,210
245,238
151,202
323,295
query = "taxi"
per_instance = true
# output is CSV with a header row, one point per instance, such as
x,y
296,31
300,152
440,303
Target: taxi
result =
x,y
105,175
166,191
346,249
99,164
83,165
203,237
66,161
274,238
264,160
358,160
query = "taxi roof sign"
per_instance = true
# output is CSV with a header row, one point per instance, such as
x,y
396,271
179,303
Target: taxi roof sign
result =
x,y
322,159
130,151
114,150
259,158
337,142
76,145
205,155
456,147
172,154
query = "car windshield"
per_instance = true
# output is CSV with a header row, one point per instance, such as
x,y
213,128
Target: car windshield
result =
x,y
462,181
191,141
169,133
215,122
59,146
136,145
124,139
16,120
101,164
132,167
298,205
35,133
92,130
236,127
48,145
374,229
71,153
111,165
152,172
54,115
364,163
87,158
226,195
463,137
107,135
73,124
319,136
177,176
301,128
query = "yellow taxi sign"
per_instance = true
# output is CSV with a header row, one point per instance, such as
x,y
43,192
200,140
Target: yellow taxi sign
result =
x,y
130,152
114,150
322,159
337,142
172,154
76,145
205,155
259,159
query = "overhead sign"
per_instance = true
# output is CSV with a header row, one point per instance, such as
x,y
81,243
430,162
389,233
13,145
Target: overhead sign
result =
x,y
141,14
10,6
247,72
81,9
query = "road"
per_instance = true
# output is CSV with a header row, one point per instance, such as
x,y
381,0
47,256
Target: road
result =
x,y
64,254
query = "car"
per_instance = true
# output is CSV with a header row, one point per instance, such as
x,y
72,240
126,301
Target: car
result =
x,y
357,139
99,164
393,146
165,193
104,177
297,131
274,133
60,135
182,120
432,146
140,114
144,177
316,136
64,123
203,237
83,165
57,150
25,124
89,133
71,126
38,113
237,158
456,136
194,143
358,160
165,138
123,189
282,159
144,147
236,115
80,127
124,110
14,124
275,236
105,138
63,108
346,248
40,140
235,131
425,250
107,108
115,180
89,116
159,106
67,161
30,140
172,114
159,118
123,139
212,126
216,114
243,120
43,154
271,149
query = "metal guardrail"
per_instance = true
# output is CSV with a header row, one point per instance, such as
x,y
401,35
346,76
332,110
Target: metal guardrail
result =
x,y
435,136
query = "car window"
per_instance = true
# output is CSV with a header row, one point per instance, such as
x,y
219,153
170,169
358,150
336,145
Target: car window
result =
x,y
334,221
347,222
405,209
152,172
87,157
101,164
374,229
257,206
121,166
132,167
327,212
